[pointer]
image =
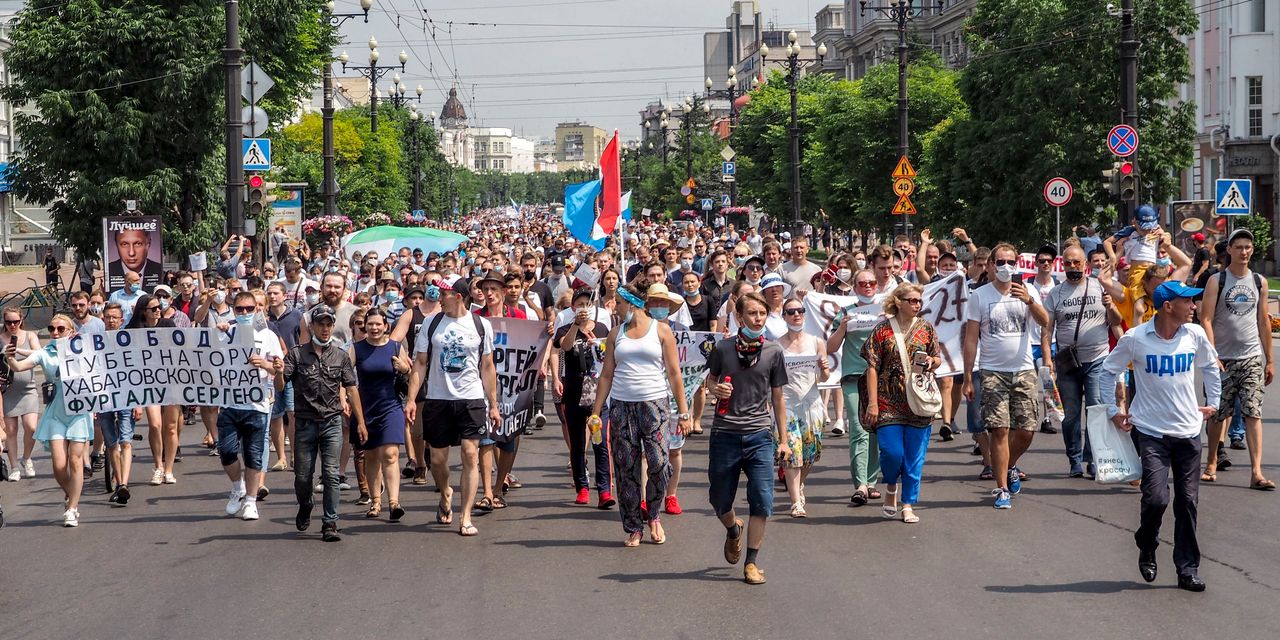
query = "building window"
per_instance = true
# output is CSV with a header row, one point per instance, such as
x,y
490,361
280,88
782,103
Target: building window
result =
x,y
1256,18
1254,101
1207,100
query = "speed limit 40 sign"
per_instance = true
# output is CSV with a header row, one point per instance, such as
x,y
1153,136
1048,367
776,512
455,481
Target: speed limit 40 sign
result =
x,y
1057,192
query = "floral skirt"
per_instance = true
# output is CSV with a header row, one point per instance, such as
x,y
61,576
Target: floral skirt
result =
x,y
804,432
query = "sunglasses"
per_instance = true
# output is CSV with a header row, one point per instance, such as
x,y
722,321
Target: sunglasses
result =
x,y
1006,263
55,329
358,325
913,300
793,312
155,308
1044,260
866,283
246,309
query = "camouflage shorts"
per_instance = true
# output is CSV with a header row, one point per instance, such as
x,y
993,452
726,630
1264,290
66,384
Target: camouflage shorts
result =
x,y
1009,400
1242,379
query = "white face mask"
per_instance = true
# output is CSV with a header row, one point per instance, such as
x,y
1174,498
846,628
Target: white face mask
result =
x,y
862,264
1005,272
844,274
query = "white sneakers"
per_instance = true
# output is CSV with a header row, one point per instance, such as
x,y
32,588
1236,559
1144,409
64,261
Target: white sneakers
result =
x,y
169,479
157,476
71,518
14,476
233,502
28,468
249,510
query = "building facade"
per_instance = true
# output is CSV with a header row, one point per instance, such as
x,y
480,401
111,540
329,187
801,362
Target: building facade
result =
x,y
1235,83
871,38
578,145
738,46
497,149
455,135
830,29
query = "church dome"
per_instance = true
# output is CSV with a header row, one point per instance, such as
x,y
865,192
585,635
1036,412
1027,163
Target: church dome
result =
x,y
452,113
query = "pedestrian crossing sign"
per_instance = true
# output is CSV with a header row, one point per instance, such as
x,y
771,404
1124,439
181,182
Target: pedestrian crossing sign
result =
x,y
257,154
1233,196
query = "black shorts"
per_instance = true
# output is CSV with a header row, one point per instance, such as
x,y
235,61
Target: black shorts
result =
x,y
446,423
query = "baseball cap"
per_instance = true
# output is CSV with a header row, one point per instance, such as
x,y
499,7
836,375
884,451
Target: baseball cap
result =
x,y
1197,237
1173,290
323,312
557,260
164,288
1147,217
447,283
1239,233
1048,250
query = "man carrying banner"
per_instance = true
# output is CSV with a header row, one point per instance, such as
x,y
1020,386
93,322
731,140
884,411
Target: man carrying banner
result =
x,y
457,347
320,371
243,426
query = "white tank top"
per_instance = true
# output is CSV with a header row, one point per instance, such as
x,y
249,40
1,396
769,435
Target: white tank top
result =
x,y
639,374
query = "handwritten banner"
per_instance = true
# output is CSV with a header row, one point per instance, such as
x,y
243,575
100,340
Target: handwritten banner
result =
x,y
943,307
518,347
162,366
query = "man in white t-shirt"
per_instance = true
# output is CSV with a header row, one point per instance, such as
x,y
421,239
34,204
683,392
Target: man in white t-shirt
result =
x,y
798,271
454,355
1000,315
1165,353
243,426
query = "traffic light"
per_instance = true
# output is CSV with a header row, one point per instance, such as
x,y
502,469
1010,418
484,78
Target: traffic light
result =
x,y
260,194
1128,181
1112,178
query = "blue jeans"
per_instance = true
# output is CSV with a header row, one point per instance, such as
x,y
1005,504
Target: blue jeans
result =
x,y
284,401
732,454
1080,388
117,427
323,437
902,449
242,429
1236,430
973,410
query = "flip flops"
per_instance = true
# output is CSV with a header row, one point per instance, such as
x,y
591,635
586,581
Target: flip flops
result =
x,y
1263,485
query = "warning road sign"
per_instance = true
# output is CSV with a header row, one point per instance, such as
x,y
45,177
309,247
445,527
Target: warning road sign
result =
x,y
257,154
904,187
904,169
904,207
1233,196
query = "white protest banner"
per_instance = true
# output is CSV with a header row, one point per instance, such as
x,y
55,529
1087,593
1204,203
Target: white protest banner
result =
x,y
161,366
518,346
1027,265
198,261
694,347
943,307
587,274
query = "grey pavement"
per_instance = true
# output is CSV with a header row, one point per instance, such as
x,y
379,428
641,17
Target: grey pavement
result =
x,y
1060,564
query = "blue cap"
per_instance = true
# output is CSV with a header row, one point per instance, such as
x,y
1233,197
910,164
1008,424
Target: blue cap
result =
x,y
1147,217
1173,290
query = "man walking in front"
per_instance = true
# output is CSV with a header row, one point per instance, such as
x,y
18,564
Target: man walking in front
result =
x,y
320,371
1165,352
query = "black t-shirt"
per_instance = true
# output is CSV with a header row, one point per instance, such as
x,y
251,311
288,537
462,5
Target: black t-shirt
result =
x,y
50,264
1202,256
544,294
716,292
577,362
701,314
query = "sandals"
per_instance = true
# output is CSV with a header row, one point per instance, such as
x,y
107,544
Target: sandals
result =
x,y
873,494
499,502
1263,485
485,504
375,509
397,512
859,498
909,515
444,511
654,528
633,540
1208,477
468,530
887,510
987,474
797,510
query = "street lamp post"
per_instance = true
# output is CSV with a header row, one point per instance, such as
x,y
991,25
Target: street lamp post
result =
x,y
665,125
730,91
416,202
373,72
396,94
330,187
793,80
901,12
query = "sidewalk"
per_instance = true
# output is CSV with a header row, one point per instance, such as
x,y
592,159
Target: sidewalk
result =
x,y
16,278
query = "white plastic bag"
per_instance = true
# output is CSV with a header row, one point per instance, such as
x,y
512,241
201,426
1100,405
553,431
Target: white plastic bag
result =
x,y
1114,455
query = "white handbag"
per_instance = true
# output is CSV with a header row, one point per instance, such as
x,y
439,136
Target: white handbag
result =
x,y
923,395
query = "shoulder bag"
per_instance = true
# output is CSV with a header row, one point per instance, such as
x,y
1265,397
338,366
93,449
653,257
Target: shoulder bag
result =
x,y
1067,359
923,395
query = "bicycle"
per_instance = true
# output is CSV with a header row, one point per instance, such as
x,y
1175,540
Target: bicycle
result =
x,y
38,303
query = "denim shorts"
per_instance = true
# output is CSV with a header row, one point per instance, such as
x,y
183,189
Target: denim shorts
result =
x,y
243,427
284,401
732,454
117,427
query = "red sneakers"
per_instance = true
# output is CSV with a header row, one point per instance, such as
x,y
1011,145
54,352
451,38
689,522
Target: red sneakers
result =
x,y
673,506
606,501
584,497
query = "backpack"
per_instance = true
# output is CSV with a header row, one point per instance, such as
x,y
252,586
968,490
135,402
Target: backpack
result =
x,y
1222,291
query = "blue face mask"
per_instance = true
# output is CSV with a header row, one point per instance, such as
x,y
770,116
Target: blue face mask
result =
x,y
244,319
659,313
690,294
1163,262
433,293
392,297
751,334
135,288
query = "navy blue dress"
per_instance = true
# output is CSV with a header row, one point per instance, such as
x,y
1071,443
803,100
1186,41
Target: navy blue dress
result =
x,y
383,411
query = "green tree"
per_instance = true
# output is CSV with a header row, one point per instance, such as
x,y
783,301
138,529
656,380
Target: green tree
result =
x,y
128,100
856,146
1042,85
762,141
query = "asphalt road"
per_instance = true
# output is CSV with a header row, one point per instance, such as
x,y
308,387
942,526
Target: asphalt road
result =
x,y
1060,564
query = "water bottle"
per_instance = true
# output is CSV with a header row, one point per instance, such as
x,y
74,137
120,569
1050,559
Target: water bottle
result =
x,y
597,429
722,405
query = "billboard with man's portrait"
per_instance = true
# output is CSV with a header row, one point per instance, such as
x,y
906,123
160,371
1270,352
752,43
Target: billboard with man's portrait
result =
x,y
132,243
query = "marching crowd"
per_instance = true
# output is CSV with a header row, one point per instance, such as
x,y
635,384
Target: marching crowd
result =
x,y
368,358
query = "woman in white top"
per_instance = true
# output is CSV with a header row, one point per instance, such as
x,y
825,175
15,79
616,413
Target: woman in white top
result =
x,y
21,398
641,372
805,356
